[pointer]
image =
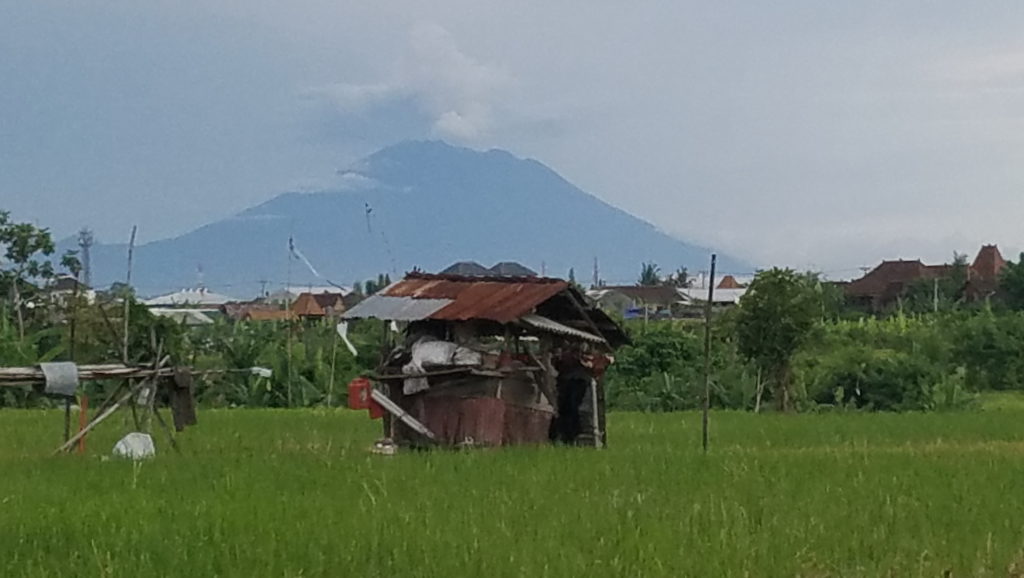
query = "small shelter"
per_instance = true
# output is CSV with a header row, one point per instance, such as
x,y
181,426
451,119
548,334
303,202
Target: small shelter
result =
x,y
491,361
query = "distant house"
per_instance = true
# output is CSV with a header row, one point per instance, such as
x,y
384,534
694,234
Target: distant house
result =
x,y
290,293
729,282
474,269
305,306
267,315
722,296
186,317
200,298
66,286
885,284
246,311
467,269
638,301
318,305
512,269
983,275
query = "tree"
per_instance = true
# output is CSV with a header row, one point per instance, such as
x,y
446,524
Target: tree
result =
x,y
939,294
1011,282
680,279
71,263
775,317
372,286
650,275
23,245
118,291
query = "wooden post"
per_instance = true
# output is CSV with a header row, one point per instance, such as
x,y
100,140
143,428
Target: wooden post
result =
x,y
99,419
83,417
334,361
67,419
387,422
707,356
166,428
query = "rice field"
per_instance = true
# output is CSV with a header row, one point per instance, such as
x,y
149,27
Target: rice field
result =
x,y
296,493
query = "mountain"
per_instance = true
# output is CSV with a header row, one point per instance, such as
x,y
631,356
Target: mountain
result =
x,y
422,204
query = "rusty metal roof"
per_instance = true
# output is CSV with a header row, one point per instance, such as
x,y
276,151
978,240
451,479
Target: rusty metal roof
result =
x,y
500,299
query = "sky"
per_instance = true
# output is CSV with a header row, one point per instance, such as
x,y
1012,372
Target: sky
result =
x,y
821,135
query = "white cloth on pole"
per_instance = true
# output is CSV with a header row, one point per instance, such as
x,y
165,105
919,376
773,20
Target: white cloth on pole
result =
x,y
343,333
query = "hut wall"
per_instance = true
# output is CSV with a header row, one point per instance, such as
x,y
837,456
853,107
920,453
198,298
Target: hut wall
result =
x,y
487,411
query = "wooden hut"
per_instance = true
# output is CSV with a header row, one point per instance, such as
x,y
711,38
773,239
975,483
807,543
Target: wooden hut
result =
x,y
492,360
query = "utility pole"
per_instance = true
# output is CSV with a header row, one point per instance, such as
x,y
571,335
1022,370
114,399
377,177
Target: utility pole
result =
x,y
935,295
707,357
128,295
288,306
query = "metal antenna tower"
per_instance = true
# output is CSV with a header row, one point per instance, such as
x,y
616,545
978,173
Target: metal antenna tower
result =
x,y
85,242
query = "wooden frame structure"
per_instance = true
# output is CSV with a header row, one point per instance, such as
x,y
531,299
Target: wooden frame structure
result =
x,y
138,390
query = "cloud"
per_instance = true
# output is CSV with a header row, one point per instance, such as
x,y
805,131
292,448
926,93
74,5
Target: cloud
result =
x,y
996,71
453,95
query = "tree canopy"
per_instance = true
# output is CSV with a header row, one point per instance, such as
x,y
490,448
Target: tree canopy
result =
x,y
1011,282
650,275
775,317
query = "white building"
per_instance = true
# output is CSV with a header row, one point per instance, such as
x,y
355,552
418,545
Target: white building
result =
x,y
199,298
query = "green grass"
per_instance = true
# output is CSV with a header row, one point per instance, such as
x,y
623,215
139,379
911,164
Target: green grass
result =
x,y
1002,401
295,493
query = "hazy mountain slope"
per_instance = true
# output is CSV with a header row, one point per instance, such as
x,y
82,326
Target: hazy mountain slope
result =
x,y
430,204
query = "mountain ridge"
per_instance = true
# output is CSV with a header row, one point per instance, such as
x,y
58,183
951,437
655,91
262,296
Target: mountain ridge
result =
x,y
414,204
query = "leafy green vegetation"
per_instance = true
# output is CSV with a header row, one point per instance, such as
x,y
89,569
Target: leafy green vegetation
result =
x,y
790,343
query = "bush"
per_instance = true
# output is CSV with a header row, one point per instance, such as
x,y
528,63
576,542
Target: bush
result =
x,y
875,379
991,349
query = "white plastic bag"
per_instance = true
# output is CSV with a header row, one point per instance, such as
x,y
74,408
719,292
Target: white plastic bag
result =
x,y
135,446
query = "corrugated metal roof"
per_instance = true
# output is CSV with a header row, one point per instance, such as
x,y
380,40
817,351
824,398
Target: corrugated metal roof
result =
x,y
396,308
497,299
455,298
552,326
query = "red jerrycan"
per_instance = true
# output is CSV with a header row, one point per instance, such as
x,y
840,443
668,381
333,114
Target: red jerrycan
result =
x,y
359,393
